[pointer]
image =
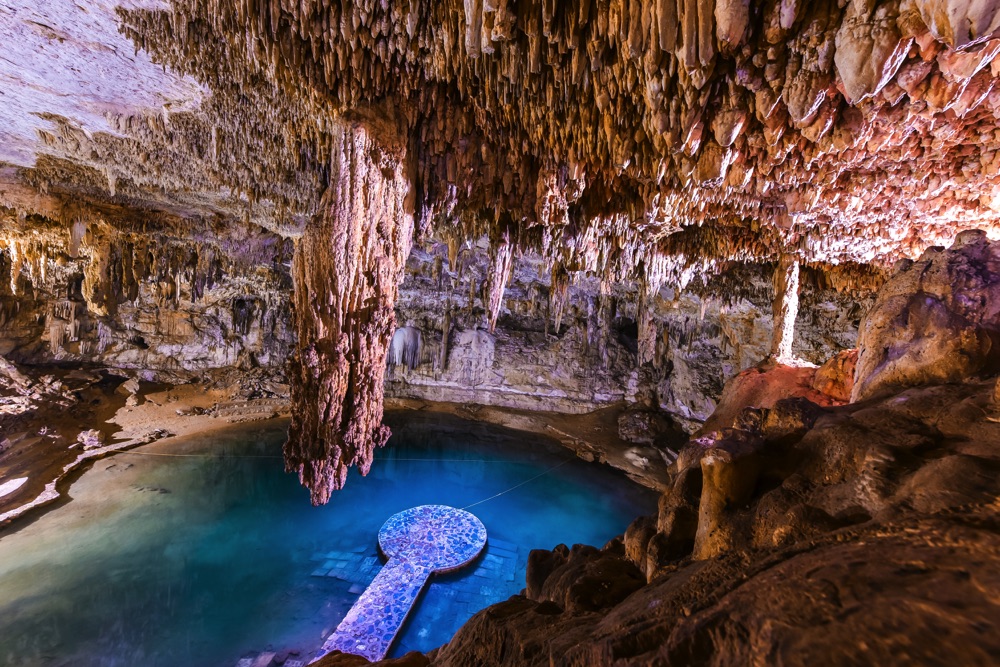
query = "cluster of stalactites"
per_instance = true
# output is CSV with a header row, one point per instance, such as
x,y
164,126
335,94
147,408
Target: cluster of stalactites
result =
x,y
858,130
113,255
346,270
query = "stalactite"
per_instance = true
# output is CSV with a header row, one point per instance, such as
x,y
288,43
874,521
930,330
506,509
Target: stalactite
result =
x,y
786,307
405,348
654,272
558,295
501,265
76,233
347,268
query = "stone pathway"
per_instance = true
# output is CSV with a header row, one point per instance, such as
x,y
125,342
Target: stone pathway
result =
x,y
418,543
458,596
493,580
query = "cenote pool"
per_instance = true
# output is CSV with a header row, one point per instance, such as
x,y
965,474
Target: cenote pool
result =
x,y
195,552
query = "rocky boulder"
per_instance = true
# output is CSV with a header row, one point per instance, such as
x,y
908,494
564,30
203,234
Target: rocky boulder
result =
x,y
935,320
835,378
764,385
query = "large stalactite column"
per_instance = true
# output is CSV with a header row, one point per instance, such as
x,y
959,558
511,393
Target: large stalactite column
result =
x,y
786,308
347,269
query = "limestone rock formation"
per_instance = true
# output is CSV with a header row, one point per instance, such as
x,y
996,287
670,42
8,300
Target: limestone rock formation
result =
x,y
764,385
702,337
865,534
139,290
835,378
607,202
347,270
936,320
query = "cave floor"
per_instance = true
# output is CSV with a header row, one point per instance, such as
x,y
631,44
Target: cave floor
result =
x,y
41,437
44,448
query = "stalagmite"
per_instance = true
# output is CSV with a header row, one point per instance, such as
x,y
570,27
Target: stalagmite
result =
x,y
347,269
786,307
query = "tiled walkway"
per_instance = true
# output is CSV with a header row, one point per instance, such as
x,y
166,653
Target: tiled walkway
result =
x,y
418,543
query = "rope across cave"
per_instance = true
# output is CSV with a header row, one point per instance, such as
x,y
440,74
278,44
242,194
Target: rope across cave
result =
x,y
270,456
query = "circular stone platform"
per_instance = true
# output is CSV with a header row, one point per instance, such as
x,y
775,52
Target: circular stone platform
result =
x,y
436,537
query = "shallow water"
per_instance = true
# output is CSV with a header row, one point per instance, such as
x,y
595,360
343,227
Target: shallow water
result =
x,y
196,560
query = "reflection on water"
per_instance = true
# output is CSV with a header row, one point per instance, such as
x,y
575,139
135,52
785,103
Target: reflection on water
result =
x,y
194,560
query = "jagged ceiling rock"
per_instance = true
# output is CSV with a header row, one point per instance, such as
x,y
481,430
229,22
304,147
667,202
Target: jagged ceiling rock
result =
x,y
861,130
851,131
958,23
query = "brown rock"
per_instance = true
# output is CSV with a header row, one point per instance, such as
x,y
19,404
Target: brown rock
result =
x,y
870,48
835,378
935,320
762,387
958,23
729,470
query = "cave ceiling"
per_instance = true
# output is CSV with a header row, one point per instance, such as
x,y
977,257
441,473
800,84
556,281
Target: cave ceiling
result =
x,y
671,135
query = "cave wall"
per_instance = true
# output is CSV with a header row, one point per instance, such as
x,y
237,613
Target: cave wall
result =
x,y
700,337
173,298
166,297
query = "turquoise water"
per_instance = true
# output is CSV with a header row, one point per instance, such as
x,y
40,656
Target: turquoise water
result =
x,y
200,559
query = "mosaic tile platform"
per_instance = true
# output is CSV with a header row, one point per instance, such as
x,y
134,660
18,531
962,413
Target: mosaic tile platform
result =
x,y
418,543
453,599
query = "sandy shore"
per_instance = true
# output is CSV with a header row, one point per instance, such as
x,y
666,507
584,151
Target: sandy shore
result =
x,y
45,457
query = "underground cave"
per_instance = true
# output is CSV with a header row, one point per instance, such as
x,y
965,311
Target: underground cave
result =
x,y
499,332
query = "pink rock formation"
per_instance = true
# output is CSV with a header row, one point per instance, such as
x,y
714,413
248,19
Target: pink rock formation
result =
x,y
762,387
347,270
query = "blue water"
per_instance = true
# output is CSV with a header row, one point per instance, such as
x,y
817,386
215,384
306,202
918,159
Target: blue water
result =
x,y
199,559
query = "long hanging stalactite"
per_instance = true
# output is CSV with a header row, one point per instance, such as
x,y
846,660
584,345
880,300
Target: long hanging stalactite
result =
x,y
347,269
